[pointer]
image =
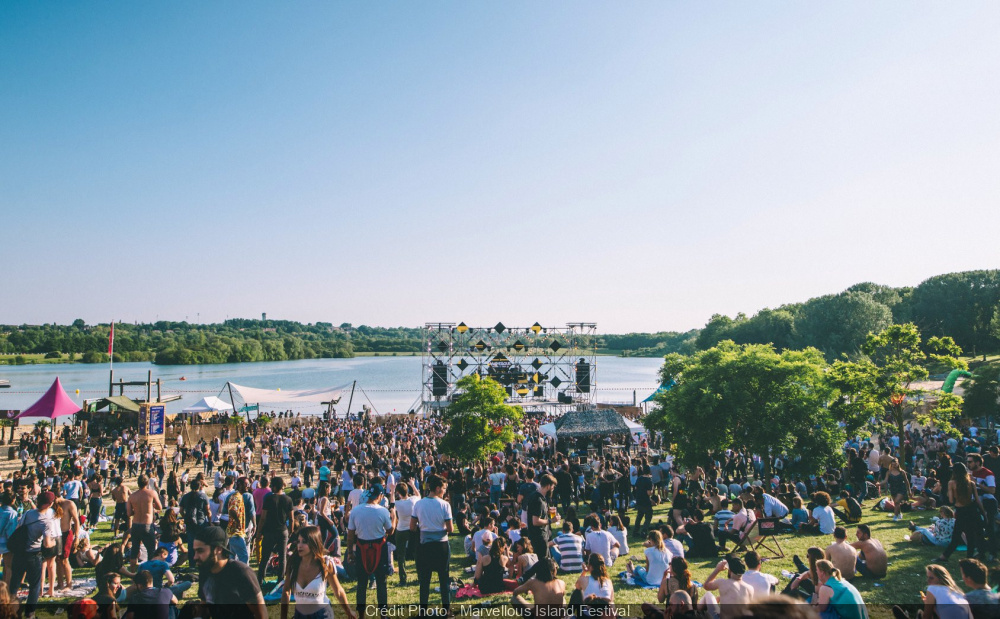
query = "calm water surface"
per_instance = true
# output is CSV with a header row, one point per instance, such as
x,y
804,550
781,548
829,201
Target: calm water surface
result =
x,y
390,384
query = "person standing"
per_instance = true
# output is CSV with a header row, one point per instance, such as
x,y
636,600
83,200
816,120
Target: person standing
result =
x,y
432,519
643,492
69,529
195,512
120,521
275,519
28,562
310,572
540,517
143,507
368,530
405,546
228,587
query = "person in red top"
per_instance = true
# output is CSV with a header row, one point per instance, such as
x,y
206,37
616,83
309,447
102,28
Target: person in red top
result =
x,y
986,484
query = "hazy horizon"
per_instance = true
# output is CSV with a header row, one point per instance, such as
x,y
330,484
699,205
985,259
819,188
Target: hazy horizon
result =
x,y
638,166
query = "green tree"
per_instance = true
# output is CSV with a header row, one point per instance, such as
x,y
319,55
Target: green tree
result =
x,y
879,389
961,305
983,395
748,396
839,323
480,422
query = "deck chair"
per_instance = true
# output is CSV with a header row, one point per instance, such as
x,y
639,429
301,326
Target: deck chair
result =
x,y
766,538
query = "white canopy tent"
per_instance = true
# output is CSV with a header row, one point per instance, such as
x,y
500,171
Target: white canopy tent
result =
x,y
208,405
548,429
277,396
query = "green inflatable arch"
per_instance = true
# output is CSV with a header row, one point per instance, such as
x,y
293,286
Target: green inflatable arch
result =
x,y
949,383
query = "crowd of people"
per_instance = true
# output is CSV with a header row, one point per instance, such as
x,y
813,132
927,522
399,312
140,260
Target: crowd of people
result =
x,y
295,511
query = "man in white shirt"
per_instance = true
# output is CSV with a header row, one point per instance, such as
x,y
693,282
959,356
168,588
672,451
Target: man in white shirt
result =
x,y
601,542
763,584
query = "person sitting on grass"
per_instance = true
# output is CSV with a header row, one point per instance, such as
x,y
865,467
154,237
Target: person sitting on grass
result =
x,y
803,585
546,590
657,561
763,584
847,509
567,550
835,596
699,535
595,585
873,560
799,514
843,555
939,533
734,594
822,521
942,598
983,601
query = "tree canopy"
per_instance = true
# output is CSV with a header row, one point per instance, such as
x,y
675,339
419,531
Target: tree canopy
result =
x,y
480,423
748,396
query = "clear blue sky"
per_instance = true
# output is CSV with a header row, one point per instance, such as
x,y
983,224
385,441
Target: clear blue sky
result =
x,y
642,165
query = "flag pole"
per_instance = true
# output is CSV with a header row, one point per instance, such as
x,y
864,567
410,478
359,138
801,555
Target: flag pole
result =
x,y
111,359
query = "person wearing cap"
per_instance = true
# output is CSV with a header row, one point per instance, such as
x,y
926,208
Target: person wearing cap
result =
x,y
28,564
229,587
734,594
368,528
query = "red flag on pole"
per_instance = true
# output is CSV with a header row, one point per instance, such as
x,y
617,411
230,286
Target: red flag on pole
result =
x,y
111,339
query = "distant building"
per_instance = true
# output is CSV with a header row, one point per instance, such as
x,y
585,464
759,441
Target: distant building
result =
x,y
263,316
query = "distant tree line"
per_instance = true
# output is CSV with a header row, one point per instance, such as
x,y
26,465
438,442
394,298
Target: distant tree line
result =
x,y
965,306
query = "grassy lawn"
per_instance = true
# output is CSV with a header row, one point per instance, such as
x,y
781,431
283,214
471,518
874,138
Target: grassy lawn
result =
x,y
901,586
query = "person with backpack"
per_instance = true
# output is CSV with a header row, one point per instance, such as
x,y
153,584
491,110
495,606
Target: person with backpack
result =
x,y
26,545
194,510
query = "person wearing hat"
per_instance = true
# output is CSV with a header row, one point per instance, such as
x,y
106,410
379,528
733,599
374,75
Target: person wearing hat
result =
x,y
368,528
229,587
28,564
734,594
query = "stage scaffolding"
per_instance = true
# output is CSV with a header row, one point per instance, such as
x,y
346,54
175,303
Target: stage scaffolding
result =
x,y
546,369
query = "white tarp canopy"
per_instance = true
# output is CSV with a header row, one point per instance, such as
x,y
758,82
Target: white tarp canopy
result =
x,y
207,405
637,429
548,429
252,395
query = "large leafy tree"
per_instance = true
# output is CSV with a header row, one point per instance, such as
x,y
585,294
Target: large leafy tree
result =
x,y
748,396
982,397
881,389
480,422
961,305
839,323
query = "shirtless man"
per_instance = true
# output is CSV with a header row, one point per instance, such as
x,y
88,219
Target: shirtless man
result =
x,y
843,555
143,507
120,494
873,560
546,589
70,526
734,594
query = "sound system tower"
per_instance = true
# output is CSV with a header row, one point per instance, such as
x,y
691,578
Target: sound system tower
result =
x,y
582,377
439,379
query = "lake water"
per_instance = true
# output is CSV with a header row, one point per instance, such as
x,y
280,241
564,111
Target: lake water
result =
x,y
390,384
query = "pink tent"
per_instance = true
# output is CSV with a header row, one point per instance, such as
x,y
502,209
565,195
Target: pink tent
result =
x,y
55,403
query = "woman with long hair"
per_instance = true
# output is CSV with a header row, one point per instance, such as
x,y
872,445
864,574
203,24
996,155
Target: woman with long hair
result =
x,y
594,586
170,534
833,592
898,483
490,569
943,598
309,573
657,559
8,603
803,586
963,495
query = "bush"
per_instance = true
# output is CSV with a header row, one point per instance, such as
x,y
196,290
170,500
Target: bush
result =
x,y
92,356
19,360
55,354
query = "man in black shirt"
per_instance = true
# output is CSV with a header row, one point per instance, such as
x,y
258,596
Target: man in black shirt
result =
x,y
274,519
150,601
195,512
564,486
228,587
643,498
539,521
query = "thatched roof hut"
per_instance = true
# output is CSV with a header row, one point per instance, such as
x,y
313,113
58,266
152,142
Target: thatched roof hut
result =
x,y
590,422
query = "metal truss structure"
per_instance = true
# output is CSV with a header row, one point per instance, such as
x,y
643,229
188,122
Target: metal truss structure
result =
x,y
545,368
